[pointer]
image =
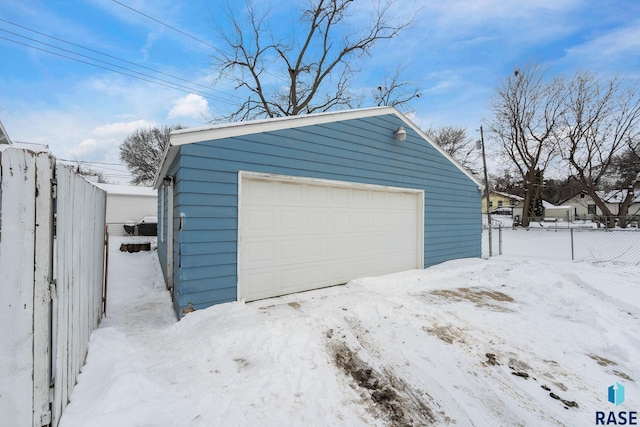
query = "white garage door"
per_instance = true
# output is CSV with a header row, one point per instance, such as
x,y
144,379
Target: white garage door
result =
x,y
298,234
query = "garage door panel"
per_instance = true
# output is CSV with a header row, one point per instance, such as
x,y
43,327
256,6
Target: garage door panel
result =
x,y
318,248
340,246
379,242
317,275
291,250
260,219
306,234
291,221
317,195
318,218
262,283
260,192
260,252
340,197
339,219
290,193
291,278
379,219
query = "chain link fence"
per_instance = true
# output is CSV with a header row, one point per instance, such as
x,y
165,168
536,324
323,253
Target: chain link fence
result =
x,y
132,237
569,241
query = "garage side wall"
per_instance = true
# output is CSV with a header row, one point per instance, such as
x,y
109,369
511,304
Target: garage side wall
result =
x,y
162,228
164,225
360,150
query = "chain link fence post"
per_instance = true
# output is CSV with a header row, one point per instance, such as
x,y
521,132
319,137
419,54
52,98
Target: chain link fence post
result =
x,y
573,257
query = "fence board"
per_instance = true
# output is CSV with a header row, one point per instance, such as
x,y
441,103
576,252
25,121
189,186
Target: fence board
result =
x,y
16,292
43,267
80,269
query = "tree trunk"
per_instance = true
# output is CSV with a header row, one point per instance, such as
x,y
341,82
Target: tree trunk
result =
x,y
526,205
623,208
609,218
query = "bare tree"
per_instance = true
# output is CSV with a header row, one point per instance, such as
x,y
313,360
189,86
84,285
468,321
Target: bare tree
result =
x,y
92,174
393,91
455,142
310,69
526,113
142,152
602,119
505,182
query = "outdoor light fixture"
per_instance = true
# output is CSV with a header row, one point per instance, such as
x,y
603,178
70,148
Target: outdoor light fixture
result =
x,y
401,134
167,180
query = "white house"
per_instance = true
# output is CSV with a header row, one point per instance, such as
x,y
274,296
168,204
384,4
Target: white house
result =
x,y
584,207
550,211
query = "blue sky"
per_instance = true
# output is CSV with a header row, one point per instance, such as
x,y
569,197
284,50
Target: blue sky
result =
x,y
456,53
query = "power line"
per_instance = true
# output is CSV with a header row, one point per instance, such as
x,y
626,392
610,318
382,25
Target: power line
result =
x,y
157,81
168,26
180,31
102,53
98,163
113,65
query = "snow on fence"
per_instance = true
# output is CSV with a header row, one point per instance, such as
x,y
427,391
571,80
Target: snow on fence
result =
x,y
48,304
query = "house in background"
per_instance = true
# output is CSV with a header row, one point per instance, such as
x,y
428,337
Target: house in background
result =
x,y
259,209
585,208
551,211
128,204
499,199
614,198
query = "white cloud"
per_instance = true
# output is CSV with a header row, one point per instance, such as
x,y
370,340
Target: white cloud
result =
x,y
193,106
88,149
120,128
151,38
621,44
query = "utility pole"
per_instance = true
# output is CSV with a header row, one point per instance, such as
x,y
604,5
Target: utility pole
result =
x,y
486,190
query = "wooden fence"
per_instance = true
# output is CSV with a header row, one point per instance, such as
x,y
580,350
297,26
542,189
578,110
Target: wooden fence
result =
x,y
51,283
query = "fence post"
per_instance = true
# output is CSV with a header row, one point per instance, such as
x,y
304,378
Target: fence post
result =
x,y
500,240
490,241
572,251
43,282
16,292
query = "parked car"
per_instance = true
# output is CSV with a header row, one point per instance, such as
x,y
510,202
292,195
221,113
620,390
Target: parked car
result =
x,y
147,226
503,210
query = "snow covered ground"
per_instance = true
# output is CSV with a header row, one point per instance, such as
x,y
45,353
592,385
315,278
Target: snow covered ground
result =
x,y
507,341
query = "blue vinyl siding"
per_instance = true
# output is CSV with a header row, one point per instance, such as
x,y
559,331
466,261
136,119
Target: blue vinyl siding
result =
x,y
358,150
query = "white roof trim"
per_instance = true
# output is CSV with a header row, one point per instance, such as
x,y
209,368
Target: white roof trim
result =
x,y
228,130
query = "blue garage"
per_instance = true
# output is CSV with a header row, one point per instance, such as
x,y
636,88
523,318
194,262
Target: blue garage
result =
x,y
259,209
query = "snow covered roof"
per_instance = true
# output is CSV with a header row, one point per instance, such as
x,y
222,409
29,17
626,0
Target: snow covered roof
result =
x,y
547,205
507,195
127,190
616,196
36,148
